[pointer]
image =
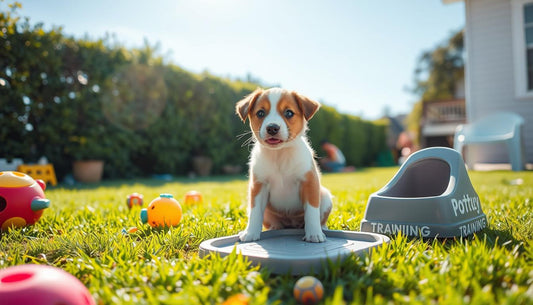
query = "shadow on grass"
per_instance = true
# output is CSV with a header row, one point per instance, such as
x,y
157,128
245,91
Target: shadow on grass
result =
x,y
152,182
492,237
502,238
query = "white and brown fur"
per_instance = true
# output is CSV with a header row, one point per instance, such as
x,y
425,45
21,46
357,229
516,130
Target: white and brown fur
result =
x,y
284,189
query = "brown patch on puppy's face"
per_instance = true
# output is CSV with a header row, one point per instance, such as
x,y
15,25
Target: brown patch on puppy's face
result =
x,y
292,115
258,114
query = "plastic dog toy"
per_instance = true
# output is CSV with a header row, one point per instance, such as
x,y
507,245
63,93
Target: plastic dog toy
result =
x,y
22,199
308,290
134,199
164,211
41,285
193,197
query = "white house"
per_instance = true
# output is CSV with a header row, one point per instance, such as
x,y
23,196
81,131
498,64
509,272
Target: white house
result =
x,y
499,66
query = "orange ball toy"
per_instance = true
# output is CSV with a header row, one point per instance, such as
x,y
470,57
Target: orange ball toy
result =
x,y
193,197
308,290
238,299
164,211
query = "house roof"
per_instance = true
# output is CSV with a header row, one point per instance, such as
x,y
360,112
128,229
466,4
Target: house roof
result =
x,y
396,123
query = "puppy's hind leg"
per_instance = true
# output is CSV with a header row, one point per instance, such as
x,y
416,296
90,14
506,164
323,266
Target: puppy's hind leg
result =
x,y
326,204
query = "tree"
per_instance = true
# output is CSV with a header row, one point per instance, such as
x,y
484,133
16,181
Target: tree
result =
x,y
436,75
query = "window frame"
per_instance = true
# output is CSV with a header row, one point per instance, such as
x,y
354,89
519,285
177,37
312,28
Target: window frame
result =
x,y
520,49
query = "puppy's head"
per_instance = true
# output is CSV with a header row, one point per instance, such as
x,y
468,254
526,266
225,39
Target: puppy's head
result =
x,y
276,116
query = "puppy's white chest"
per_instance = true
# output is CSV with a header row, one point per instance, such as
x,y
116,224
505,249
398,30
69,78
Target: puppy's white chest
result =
x,y
284,193
282,172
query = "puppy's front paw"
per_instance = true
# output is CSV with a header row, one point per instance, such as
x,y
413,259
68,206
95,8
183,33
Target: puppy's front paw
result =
x,y
247,236
315,237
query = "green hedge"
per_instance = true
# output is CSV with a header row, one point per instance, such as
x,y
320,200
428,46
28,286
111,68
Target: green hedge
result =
x,y
70,99
361,141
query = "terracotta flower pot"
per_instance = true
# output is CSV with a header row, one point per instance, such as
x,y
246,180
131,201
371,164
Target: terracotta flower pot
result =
x,y
88,171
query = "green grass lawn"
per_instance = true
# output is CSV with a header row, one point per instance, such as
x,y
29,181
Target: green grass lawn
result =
x,y
81,233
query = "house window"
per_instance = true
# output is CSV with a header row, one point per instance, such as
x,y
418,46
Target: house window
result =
x,y
528,30
522,27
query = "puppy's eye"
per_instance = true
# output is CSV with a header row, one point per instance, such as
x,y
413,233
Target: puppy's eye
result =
x,y
288,113
260,114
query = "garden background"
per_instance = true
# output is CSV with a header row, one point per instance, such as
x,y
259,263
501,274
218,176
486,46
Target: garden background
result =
x,y
74,99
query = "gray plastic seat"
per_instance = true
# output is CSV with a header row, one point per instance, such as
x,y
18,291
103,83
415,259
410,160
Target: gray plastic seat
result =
x,y
431,195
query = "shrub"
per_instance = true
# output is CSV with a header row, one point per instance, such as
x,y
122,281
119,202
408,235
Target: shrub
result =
x,y
361,141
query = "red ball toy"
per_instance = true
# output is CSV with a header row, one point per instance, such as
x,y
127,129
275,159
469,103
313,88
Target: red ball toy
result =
x,y
22,200
134,199
41,285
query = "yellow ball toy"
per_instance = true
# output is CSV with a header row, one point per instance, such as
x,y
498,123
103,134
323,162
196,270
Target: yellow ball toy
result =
x,y
308,290
164,211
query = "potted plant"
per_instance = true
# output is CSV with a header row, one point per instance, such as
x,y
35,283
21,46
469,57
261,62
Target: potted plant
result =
x,y
88,155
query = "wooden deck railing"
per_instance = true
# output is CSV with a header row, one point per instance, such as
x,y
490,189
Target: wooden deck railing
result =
x,y
450,111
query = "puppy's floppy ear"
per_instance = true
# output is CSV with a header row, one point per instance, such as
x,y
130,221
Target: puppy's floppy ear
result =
x,y
243,106
308,106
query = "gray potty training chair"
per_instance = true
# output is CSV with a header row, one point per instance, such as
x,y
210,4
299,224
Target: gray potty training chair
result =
x,y
430,196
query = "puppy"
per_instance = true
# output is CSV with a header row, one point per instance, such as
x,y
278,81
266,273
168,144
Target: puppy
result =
x,y
284,189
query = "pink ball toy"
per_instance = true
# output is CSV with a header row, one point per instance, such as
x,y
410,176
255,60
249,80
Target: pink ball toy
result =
x,y
41,285
22,200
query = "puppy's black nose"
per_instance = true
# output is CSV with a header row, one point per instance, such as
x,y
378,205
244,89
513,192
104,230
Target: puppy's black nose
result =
x,y
272,129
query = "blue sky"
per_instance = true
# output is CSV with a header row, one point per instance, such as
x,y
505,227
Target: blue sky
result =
x,y
356,55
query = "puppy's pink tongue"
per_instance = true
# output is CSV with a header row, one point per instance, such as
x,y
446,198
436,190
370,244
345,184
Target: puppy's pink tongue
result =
x,y
273,141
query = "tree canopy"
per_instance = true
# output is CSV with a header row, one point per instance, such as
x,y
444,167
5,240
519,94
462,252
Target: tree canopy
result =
x,y
437,74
